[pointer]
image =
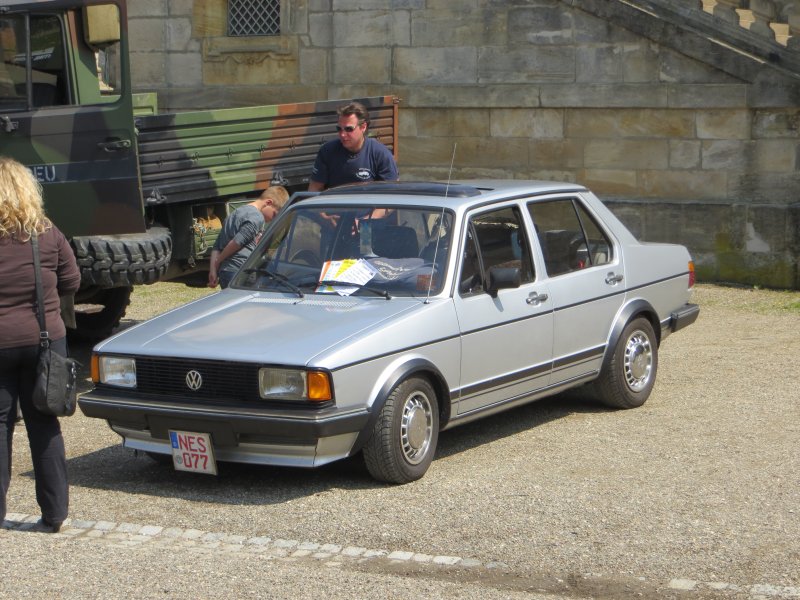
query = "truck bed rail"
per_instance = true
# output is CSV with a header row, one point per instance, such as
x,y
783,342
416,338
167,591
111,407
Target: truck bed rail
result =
x,y
186,157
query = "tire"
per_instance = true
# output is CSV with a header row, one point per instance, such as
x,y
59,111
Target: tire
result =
x,y
123,260
404,437
98,314
628,378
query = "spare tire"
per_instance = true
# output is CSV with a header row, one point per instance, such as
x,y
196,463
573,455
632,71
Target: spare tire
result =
x,y
110,261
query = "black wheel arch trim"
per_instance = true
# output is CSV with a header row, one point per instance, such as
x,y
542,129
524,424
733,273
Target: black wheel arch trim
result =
x,y
629,311
415,366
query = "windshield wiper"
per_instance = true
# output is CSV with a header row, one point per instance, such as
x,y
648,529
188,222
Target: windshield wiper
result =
x,y
279,278
366,288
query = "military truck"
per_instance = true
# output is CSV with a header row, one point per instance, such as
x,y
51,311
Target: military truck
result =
x,y
141,196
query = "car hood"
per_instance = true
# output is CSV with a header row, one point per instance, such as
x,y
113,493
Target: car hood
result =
x,y
258,327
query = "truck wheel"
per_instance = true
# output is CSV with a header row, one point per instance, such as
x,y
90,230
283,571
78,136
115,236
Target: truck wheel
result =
x,y
404,437
628,379
110,261
97,314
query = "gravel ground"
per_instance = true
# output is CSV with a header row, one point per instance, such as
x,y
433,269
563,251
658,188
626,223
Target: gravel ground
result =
x,y
695,494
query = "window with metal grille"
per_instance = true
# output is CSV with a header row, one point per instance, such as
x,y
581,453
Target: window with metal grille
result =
x,y
254,17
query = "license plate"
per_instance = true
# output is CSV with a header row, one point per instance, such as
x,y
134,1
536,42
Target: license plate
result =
x,y
192,452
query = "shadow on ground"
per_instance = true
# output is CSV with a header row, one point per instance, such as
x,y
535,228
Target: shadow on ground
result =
x,y
124,470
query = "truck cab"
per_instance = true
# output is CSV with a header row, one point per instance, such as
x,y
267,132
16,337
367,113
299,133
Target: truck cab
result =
x,y
140,195
65,112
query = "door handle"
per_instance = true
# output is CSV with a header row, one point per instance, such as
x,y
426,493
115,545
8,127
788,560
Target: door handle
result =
x,y
612,278
536,299
114,145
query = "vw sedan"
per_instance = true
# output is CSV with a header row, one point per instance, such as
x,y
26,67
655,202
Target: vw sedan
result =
x,y
370,318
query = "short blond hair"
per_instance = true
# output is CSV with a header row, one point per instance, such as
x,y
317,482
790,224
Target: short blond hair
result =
x,y
276,193
21,204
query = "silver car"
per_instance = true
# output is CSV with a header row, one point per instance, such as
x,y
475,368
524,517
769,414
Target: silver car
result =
x,y
371,317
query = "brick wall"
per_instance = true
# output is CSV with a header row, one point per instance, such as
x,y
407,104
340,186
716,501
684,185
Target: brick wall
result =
x,y
687,140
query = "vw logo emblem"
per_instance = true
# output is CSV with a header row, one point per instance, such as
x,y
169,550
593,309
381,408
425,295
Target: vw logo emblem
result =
x,y
194,380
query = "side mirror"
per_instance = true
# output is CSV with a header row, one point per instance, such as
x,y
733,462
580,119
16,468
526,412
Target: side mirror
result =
x,y
503,278
101,25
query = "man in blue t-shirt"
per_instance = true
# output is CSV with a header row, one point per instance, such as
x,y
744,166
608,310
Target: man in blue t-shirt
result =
x,y
353,157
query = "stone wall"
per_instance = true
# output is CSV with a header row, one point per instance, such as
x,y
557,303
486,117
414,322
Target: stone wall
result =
x,y
685,138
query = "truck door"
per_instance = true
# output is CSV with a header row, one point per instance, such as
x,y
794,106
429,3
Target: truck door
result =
x,y
66,113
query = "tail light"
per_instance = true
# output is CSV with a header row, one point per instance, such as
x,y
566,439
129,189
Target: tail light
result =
x,y
691,274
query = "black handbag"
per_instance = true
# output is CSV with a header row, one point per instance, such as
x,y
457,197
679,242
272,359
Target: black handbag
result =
x,y
55,391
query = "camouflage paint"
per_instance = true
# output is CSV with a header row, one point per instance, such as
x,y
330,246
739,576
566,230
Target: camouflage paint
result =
x,y
89,156
212,154
82,152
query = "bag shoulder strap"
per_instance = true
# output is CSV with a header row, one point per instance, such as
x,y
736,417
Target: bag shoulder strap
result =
x,y
44,338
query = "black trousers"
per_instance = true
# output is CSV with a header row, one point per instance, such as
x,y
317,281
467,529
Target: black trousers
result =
x,y
17,372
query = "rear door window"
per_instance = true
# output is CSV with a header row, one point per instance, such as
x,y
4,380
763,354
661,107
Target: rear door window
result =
x,y
570,238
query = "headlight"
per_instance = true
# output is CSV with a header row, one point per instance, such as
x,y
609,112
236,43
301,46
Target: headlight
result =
x,y
116,370
294,384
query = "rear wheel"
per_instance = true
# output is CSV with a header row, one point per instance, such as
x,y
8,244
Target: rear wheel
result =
x,y
628,379
404,437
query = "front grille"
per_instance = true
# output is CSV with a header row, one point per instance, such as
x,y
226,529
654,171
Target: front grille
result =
x,y
221,380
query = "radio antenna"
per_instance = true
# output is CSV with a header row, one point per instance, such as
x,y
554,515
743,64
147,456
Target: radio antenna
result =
x,y
440,224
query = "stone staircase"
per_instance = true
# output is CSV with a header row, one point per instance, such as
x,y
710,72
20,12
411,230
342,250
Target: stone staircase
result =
x,y
763,32
777,20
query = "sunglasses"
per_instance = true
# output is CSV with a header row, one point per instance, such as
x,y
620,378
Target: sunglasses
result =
x,y
348,128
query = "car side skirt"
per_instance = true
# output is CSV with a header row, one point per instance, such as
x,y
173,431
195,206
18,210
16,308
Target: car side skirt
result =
x,y
519,400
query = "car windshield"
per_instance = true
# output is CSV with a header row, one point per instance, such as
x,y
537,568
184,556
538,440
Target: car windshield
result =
x,y
378,251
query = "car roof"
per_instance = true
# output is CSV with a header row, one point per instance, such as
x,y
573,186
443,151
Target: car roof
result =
x,y
459,194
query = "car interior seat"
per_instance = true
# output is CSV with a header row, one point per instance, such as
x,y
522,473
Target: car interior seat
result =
x,y
557,242
395,242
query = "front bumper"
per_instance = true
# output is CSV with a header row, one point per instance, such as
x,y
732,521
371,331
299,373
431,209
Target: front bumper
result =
x,y
291,437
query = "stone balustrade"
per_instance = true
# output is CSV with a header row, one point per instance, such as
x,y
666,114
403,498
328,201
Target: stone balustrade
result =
x,y
775,20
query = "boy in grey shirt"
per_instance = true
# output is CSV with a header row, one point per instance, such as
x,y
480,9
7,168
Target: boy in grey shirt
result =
x,y
240,233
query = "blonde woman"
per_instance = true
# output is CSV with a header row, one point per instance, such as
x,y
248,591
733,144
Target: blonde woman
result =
x,y
22,215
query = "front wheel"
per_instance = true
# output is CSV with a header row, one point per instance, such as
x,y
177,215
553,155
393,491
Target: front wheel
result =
x,y
405,435
97,314
628,379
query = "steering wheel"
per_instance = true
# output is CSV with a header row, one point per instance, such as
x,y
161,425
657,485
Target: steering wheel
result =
x,y
307,257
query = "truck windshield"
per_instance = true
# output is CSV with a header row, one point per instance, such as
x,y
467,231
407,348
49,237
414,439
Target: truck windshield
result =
x,y
376,251
33,65
45,83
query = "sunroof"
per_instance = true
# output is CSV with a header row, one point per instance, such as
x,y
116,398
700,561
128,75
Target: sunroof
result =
x,y
414,188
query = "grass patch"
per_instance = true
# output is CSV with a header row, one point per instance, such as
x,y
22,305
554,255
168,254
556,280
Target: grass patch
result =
x,y
748,299
147,301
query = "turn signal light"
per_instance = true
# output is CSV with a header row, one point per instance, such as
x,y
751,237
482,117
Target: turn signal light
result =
x,y
95,369
319,386
691,274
